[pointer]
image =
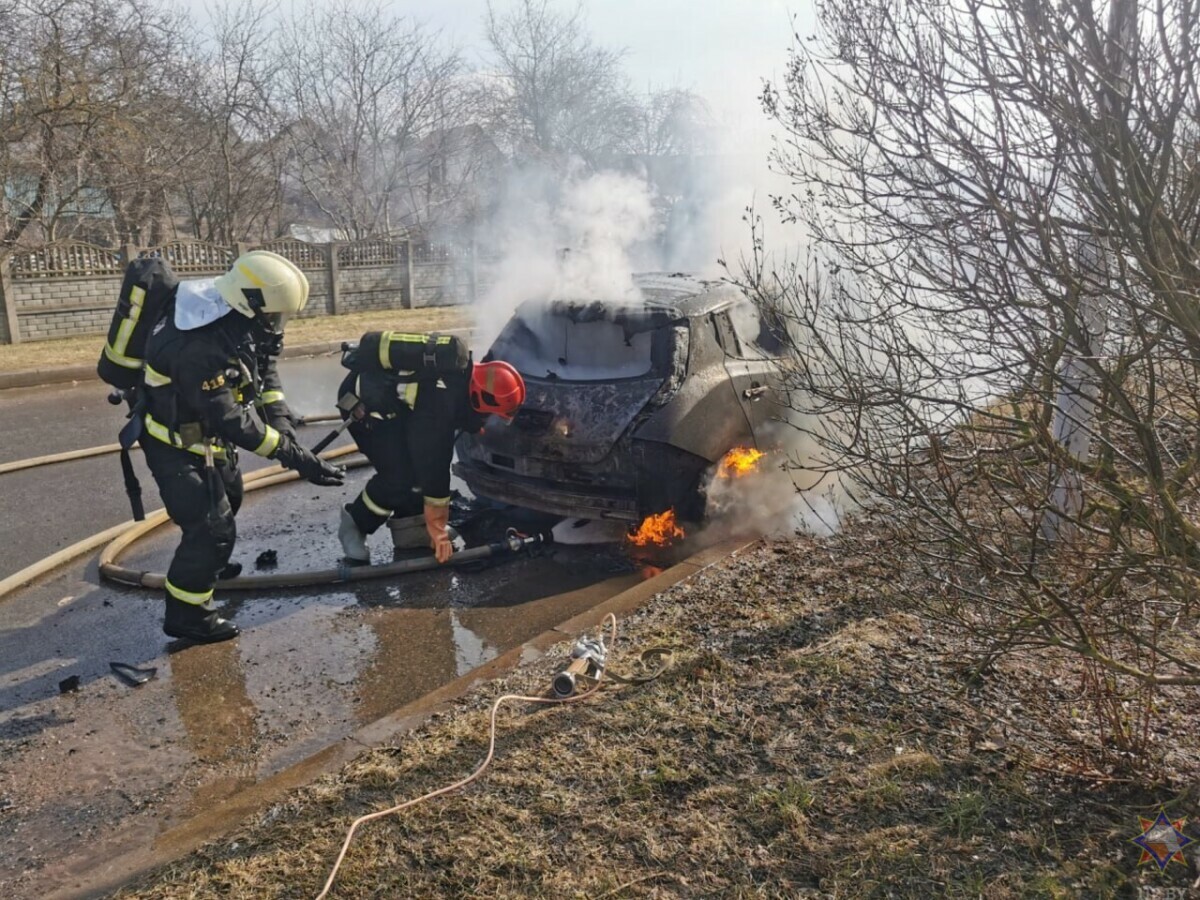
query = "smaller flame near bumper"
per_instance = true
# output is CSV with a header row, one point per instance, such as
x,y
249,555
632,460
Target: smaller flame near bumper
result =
x,y
740,461
656,531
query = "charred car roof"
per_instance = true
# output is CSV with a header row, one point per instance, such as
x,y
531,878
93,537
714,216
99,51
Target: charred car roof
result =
x,y
663,296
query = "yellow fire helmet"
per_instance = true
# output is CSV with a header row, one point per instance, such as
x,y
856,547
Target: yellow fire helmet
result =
x,y
265,286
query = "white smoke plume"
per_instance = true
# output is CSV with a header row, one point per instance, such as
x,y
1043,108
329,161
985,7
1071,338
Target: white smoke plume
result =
x,y
781,497
566,235
564,238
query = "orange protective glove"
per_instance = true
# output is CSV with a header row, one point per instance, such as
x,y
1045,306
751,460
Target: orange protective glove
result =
x,y
436,520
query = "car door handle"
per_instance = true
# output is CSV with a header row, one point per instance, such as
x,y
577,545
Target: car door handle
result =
x,y
755,393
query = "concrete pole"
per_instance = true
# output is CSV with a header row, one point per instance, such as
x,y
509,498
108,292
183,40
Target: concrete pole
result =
x,y
409,299
473,272
331,257
9,300
1076,398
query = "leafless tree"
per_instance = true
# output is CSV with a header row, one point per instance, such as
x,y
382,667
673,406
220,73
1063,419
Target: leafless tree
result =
x,y
671,122
557,95
234,190
11,125
971,177
87,83
362,89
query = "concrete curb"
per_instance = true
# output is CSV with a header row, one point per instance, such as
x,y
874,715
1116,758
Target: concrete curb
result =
x,y
70,374
221,818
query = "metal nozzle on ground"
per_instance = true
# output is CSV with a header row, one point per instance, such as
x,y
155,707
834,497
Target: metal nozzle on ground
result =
x,y
587,661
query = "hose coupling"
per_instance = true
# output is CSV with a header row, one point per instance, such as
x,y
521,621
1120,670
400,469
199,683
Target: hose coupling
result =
x,y
588,658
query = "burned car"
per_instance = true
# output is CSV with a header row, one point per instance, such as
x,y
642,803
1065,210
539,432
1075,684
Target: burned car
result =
x,y
630,402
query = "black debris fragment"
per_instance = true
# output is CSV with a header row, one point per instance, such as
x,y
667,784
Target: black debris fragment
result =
x,y
67,685
132,675
268,559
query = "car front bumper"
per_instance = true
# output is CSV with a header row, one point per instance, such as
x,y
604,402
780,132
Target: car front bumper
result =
x,y
549,497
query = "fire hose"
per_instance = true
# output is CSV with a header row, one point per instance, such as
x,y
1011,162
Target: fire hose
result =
x,y
594,654
121,536
34,462
513,542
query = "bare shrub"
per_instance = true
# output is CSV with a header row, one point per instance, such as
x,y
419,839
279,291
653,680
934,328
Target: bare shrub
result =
x,y
999,299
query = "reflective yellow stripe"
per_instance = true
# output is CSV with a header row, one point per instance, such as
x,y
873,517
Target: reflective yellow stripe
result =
x,y
437,501
272,397
137,297
158,430
251,277
121,359
161,432
386,338
409,397
375,507
124,333
154,378
269,443
197,599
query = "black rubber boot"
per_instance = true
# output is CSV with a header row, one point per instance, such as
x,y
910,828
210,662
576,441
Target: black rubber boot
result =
x,y
199,623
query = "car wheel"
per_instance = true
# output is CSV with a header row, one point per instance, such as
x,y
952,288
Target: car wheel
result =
x,y
672,479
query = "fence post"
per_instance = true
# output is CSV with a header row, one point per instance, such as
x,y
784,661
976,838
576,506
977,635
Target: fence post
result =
x,y
8,300
1078,384
408,301
240,247
473,271
128,254
331,256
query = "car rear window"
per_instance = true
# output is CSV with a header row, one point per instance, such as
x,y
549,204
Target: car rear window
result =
x,y
550,345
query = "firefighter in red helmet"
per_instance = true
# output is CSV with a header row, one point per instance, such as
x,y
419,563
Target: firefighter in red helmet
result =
x,y
415,393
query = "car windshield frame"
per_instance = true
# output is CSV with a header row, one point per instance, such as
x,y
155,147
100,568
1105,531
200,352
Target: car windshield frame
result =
x,y
635,321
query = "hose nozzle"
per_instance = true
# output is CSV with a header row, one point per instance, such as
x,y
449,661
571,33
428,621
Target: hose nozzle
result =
x,y
587,660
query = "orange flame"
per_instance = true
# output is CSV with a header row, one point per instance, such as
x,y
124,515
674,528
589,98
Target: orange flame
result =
x,y
739,461
658,530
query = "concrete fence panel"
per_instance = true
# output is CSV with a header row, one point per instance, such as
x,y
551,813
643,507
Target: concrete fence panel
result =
x,y
70,288
193,258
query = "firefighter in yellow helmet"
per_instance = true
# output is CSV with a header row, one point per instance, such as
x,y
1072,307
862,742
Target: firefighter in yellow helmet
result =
x,y
209,362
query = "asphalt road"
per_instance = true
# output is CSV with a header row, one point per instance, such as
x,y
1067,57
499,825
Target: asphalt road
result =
x,y
43,510
91,766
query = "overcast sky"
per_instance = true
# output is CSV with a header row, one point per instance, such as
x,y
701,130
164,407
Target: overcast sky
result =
x,y
719,48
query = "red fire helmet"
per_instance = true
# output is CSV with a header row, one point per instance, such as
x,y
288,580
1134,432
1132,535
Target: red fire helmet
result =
x,y
497,389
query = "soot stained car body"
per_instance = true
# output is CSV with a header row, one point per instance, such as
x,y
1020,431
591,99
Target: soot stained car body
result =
x,y
630,402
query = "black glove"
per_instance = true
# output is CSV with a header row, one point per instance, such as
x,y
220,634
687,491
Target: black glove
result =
x,y
284,424
310,467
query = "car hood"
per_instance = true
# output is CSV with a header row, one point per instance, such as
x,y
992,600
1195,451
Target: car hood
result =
x,y
574,422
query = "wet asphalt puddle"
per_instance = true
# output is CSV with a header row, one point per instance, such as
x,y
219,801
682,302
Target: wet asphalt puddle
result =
x,y
92,770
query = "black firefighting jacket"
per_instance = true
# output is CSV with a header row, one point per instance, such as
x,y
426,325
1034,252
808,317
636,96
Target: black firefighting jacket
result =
x,y
201,384
432,411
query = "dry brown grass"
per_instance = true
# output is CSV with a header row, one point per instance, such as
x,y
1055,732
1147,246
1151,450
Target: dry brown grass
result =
x,y
812,739
86,350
